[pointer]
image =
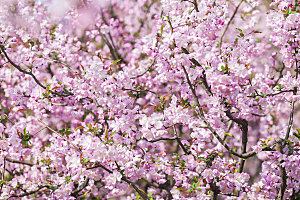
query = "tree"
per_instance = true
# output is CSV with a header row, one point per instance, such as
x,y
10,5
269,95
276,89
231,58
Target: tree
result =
x,y
149,99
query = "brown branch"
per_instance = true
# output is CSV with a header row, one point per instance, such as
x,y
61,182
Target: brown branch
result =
x,y
243,124
216,135
138,91
56,60
170,24
60,135
194,2
80,188
160,139
124,178
214,190
2,180
18,162
280,75
290,120
28,193
112,48
258,115
196,5
142,74
279,145
180,143
271,94
167,186
203,77
193,60
142,21
227,26
114,56
64,94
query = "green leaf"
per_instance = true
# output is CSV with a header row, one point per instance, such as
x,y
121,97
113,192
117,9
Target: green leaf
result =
x,y
162,28
2,182
150,194
167,96
85,160
116,61
86,193
288,141
240,30
252,76
236,41
226,133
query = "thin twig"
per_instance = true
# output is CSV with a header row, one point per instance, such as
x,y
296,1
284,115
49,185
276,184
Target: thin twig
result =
x,y
193,60
271,94
139,191
279,145
280,75
60,135
167,186
138,91
2,180
194,2
180,143
203,77
112,48
160,139
18,162
81,187
227,26
290,121
62,63
142,74
243,124
29,193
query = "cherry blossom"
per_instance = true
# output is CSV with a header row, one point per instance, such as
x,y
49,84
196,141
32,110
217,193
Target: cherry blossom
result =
x,y
149,99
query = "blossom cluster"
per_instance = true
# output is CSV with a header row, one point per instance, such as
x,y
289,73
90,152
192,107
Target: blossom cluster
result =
x,y
149,99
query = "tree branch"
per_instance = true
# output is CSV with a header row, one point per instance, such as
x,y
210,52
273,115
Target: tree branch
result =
x,y
160,139
60,135
203,77
279,145
194,2
80,188
2,178
214,190
142,74
243,124
202,116
64,94
18,162
271,94
180,143
227,26
144,196
290,120
167,186
124,178
28,193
